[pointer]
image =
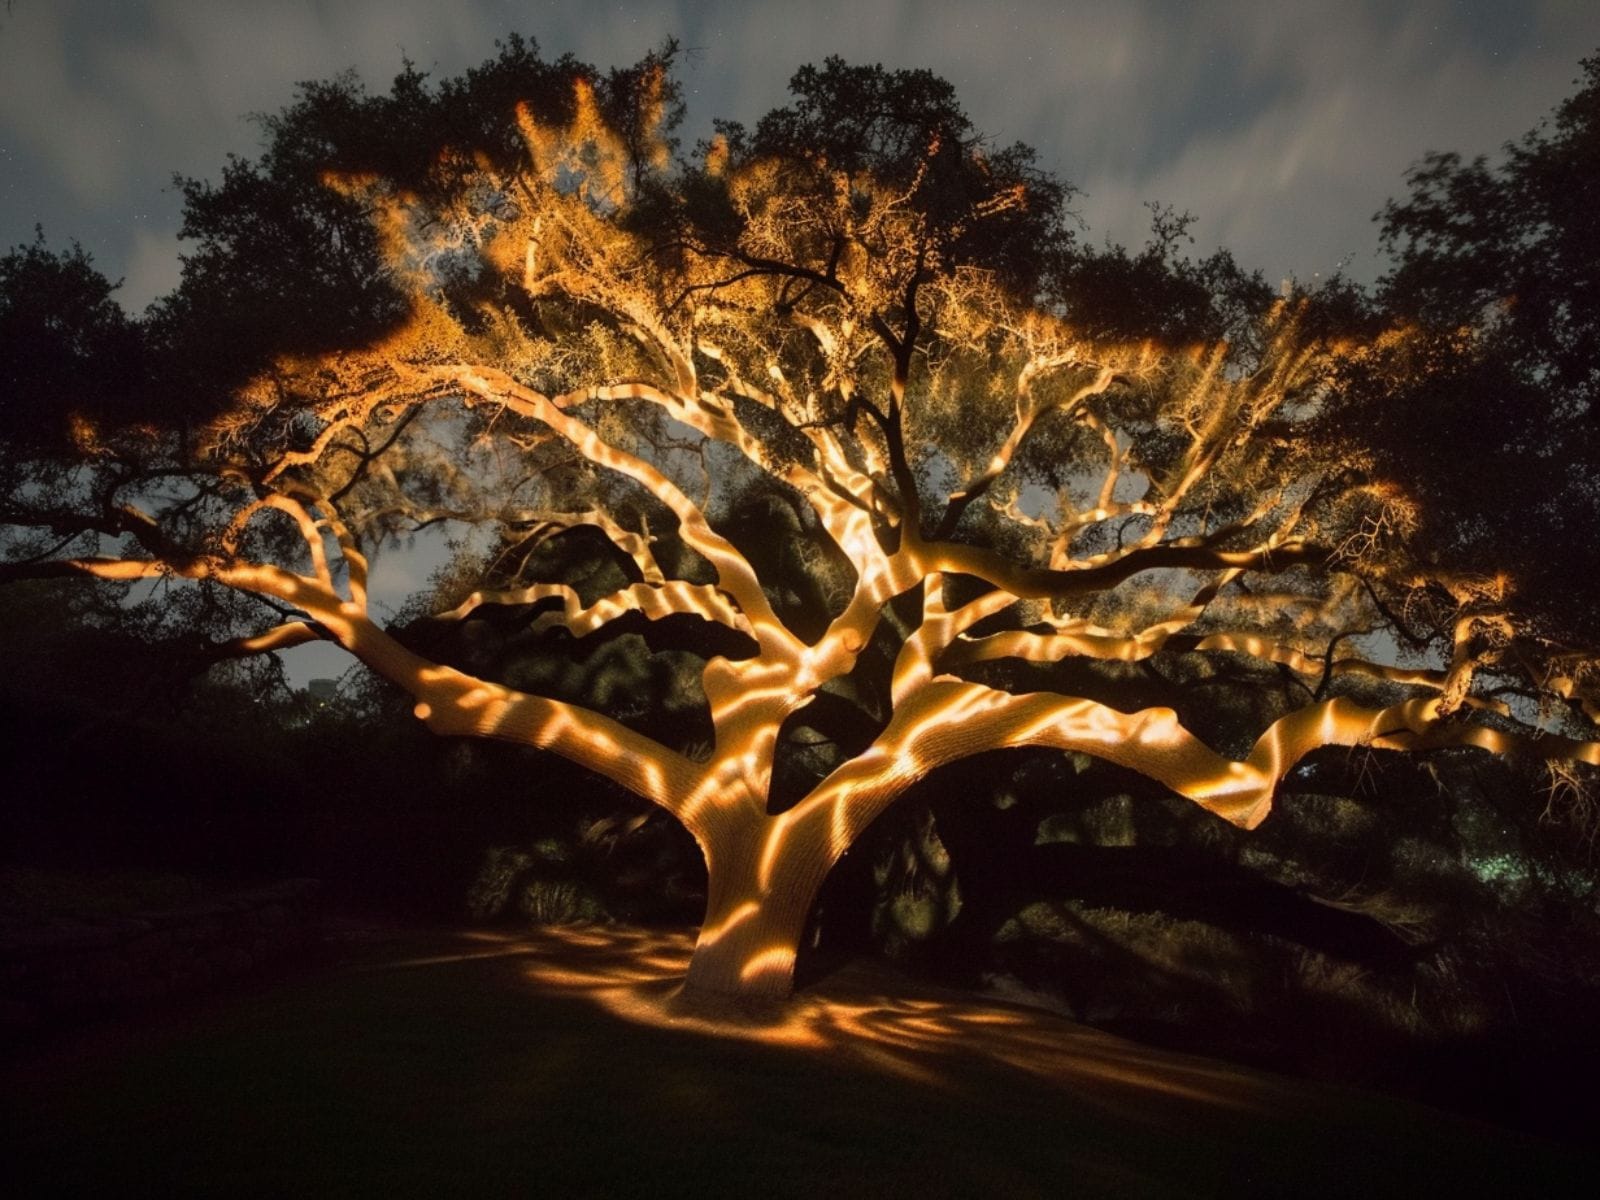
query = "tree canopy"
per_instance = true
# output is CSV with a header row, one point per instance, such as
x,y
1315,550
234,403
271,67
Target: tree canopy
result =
x,y
1488,413
833,422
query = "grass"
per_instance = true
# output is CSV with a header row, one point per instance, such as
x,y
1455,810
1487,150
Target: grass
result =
x,y
440,1064
34,892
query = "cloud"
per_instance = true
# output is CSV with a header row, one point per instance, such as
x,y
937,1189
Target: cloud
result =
x,y
76,130
1282,124
1292,186
153,268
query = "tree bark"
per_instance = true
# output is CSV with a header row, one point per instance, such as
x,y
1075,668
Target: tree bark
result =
x,y
763,878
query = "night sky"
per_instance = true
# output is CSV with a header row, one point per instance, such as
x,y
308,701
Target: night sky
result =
x,y
1283,125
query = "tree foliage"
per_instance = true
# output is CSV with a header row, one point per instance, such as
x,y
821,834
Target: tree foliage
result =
x,y
824,448
1511,251
1488,414
61,335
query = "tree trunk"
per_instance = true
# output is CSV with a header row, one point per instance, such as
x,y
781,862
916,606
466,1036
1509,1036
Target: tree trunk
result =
x,y
755,918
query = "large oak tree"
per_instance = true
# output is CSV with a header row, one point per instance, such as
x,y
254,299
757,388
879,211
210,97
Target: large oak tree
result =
x,y
832,418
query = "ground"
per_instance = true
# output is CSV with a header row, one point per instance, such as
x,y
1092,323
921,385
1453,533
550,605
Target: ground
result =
x,y
418,1062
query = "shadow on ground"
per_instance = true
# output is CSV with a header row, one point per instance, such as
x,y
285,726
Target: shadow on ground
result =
x,y
561,1064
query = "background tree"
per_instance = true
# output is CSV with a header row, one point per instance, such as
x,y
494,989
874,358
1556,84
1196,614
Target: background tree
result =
x,y
1488,415
802,421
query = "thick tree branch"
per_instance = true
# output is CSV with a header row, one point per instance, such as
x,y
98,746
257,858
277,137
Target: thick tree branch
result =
x,y
654,601
735,575
948,720
280,637
1036,583
1028,414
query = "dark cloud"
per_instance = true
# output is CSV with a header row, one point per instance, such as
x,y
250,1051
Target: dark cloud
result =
x,y
1282,124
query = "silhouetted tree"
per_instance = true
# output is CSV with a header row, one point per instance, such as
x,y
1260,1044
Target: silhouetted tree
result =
x,y
1487,416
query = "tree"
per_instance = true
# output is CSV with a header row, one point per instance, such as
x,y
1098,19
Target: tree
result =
x,y
1511,250
800,419
1488,414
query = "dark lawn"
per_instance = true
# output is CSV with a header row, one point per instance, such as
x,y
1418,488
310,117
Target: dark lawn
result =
x,y
439,1064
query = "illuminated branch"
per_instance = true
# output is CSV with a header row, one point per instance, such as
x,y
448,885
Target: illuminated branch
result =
x,y
1214,427
1102,644
1033,583
709,414
116,570
1072,638
304,521
448,700
1568,687
653,600
914,666
949,720
280,637
635,546
839,482
735,574
1105,503
354,560
350,414
1028,413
